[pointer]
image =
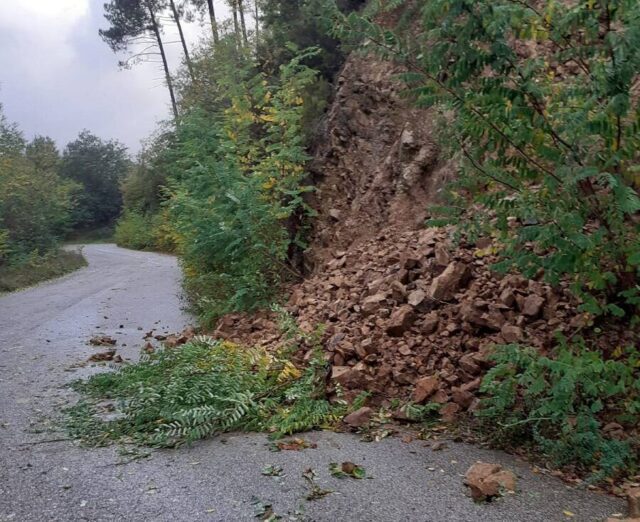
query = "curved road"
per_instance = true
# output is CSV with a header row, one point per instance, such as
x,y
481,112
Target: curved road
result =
x,y
43,335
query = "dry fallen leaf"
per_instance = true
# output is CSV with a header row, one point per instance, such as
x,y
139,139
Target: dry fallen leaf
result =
x,y
102,340
103,356
294,445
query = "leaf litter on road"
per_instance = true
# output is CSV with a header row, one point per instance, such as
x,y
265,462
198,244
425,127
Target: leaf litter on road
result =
x,y
315,491
296,444
102,340
264,510
272,470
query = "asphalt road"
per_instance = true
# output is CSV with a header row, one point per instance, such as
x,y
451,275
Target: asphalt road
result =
x,y
44,333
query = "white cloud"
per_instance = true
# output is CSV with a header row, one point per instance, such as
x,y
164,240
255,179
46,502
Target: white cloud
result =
x,y
57,77
57,14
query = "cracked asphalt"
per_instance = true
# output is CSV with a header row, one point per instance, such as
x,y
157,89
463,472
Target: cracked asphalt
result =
x,y
43,477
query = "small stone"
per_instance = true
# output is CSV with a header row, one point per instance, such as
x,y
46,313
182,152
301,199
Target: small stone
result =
x,y
489,480
447,284
511,334
359,418
404,350
430,323
348,377
442,256
440,397
334,213
425,388
400,321
496,483
468,363
462,397
416,297
372,303
449,412
633,502
532,306
507,297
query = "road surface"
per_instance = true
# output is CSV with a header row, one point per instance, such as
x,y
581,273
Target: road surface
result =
x,y
43,335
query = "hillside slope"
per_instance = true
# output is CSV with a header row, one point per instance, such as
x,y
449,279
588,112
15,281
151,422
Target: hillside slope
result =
x,y
407,311
377,163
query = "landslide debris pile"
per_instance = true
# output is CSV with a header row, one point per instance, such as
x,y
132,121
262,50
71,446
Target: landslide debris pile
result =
x,y
411,314
377,163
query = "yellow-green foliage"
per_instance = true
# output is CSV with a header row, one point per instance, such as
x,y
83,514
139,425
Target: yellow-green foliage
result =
x,y
236,181
35,203
141,231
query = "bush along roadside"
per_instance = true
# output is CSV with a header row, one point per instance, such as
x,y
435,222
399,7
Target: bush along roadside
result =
x,y
575,406
145,231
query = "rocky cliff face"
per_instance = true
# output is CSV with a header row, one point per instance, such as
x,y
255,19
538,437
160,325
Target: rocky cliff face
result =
x,y
377,164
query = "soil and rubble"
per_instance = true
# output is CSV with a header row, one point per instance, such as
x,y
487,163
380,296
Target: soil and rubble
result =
x,y
414,315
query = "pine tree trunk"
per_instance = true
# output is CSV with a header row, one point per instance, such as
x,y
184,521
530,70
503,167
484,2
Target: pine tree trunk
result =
x,y
214,23
257,15
176,17
236,27
167,72
242,23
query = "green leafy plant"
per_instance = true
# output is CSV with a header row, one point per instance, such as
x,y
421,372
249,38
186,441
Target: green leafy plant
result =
x,y
236,187
206,387
559,403
422,412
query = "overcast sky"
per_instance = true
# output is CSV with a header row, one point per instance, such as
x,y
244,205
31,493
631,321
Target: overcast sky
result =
x,y
58,77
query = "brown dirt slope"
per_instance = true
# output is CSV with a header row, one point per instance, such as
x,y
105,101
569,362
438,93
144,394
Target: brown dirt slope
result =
x,y
377,164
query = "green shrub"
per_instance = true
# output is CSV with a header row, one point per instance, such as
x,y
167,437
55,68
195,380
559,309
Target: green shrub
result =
x,y
135,230
36,203
558,403
150,231
203,388
236,185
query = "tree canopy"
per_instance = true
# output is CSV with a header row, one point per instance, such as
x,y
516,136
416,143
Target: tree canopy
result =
x,y
98,166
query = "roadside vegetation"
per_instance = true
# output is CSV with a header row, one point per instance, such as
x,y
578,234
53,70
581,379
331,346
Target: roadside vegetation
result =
x,y
36,268
224,185
46,196
206,387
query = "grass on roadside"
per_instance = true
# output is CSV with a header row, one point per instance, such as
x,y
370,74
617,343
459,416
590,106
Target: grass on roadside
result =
x,y
35,269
